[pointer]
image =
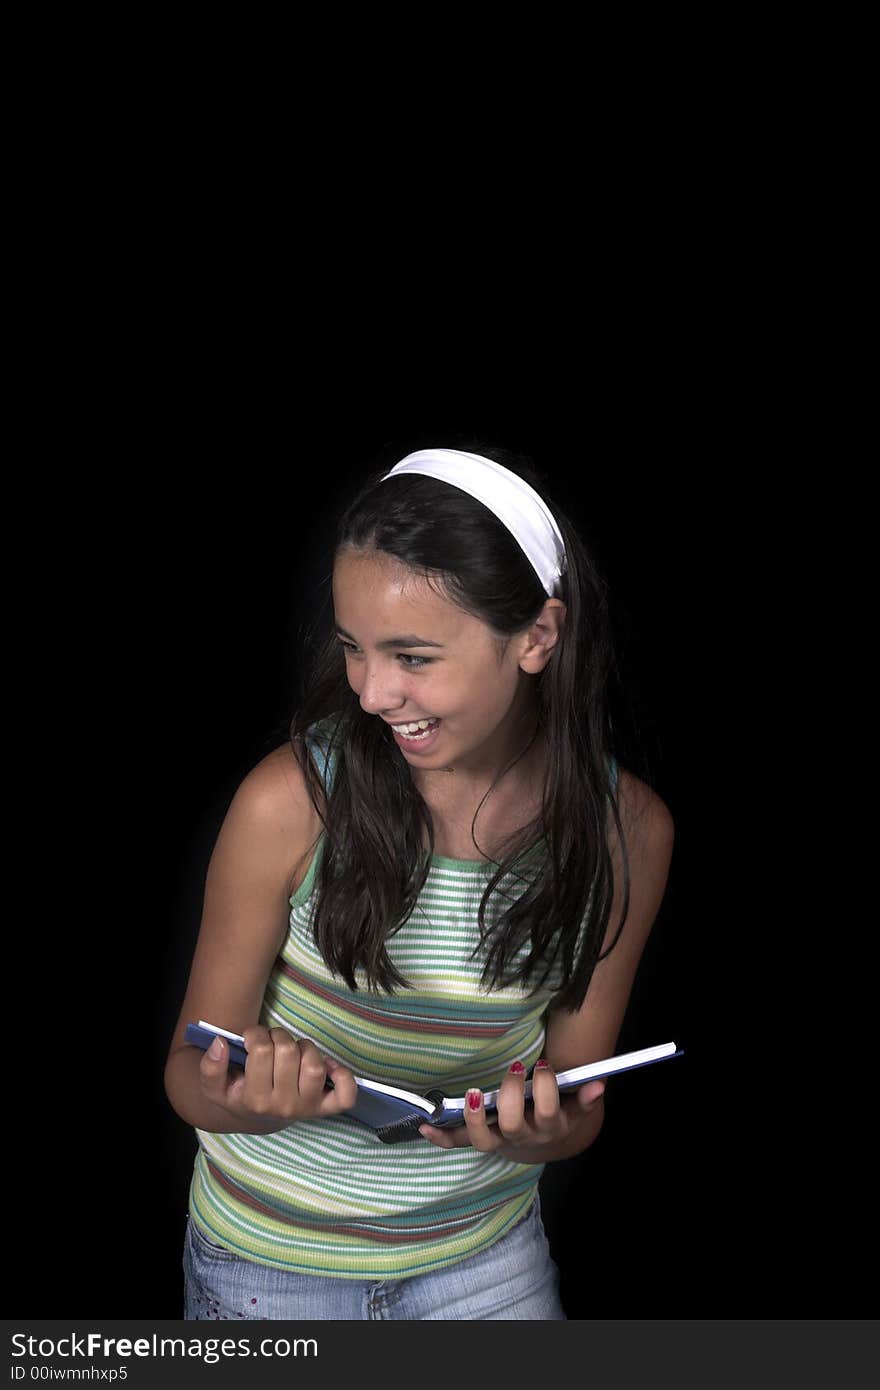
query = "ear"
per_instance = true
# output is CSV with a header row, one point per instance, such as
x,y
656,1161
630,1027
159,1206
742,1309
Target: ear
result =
x,y
541,638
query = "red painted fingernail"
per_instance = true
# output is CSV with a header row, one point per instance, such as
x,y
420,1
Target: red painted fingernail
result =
x,y
544,1064
474,1099
517,1068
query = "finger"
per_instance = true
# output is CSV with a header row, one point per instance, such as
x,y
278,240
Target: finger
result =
x,y
455,1137
545,1098
214,1069
287,1060
259,1078
512,1103
442,1138
312,1073
476,1123
590,1094
222,1079
344,1092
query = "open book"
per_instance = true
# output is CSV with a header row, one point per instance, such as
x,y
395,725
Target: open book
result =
x,y
396,1114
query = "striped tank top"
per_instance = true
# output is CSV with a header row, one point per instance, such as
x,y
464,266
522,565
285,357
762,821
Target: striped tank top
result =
x,y
327,1196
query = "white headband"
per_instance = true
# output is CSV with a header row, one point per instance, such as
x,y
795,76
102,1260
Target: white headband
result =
x,y
524,513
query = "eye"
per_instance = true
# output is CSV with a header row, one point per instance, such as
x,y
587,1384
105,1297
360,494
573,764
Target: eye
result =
x,y
412,663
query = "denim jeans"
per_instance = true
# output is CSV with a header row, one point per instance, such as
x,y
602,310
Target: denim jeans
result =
x,y
516,1278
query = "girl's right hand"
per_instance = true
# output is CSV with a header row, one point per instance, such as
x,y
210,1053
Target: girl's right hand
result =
x,y
283,1079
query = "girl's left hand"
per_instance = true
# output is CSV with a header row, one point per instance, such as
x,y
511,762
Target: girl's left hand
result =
x,y
517,1132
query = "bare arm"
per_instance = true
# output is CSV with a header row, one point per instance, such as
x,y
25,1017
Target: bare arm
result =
x,y
591,1033
267,833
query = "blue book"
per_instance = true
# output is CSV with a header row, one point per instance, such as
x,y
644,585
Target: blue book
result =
x,y
395,1114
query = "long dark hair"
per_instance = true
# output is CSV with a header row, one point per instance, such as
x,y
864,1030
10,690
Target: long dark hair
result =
x,y
373,863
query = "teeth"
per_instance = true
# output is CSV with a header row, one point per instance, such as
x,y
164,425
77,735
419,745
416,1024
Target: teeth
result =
x,y
413,728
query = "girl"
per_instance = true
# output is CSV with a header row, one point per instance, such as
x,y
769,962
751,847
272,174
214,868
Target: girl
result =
x,y
441,881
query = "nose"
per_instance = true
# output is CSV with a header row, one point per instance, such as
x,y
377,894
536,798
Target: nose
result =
x,y
378,693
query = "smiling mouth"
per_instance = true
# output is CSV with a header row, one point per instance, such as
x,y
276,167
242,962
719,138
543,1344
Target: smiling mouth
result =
x,y
418,735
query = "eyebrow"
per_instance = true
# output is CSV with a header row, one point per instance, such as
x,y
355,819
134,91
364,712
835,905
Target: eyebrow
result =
x,y
409,639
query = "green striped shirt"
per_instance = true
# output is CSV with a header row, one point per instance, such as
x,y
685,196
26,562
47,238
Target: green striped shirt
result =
x,y
327,1196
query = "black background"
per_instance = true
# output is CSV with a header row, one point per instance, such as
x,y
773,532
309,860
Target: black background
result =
x,y
165,661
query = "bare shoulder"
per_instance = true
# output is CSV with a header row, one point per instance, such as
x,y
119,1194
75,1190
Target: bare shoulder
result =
x,y
281,768
273,801
278,777
592,1031
646,819
649,833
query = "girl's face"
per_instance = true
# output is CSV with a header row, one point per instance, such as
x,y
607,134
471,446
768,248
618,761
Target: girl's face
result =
x,y
412,655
